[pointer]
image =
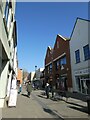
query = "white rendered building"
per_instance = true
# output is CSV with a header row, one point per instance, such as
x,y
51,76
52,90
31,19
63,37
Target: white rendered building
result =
x,y
8,48
80,56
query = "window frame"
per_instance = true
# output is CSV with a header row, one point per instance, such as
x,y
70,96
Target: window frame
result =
x,y
63,59
86,51
6,11
77,56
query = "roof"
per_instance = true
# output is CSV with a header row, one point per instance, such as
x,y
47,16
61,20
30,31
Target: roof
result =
x,y
64,38
76,23
49,47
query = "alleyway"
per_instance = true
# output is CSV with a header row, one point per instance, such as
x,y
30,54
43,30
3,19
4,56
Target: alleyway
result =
x,y
37,106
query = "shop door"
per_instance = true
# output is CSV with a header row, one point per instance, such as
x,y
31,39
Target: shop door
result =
x,y
88,86
83,86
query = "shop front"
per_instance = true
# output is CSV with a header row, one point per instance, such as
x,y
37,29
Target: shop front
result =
x,y
82,78
63,82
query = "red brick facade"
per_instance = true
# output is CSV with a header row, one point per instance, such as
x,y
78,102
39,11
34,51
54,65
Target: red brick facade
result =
x,y
57,64
19,76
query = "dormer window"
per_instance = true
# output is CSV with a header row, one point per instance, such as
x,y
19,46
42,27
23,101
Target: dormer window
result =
x,y
57,44
48,53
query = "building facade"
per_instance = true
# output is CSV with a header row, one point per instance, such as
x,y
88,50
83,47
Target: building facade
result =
x,y
38,73
19,76
8,48
57,64
31,76
80,56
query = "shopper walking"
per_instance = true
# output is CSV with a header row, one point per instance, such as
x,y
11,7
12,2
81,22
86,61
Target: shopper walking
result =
x,y
29,88
47,88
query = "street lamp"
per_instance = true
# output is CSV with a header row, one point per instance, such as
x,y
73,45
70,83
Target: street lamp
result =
x,y
35,67
35,71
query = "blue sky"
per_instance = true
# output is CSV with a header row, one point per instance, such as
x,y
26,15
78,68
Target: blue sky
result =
x,y
38,25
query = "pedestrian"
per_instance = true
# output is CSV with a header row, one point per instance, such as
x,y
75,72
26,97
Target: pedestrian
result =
x,y
47,88
29,88
20,88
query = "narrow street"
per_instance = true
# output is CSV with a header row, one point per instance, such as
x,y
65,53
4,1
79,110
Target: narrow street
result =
x,y
37,106
33,107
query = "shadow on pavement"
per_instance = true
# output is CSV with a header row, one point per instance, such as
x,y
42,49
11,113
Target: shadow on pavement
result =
x,y
82,109
75,104
24,95
52,113
42,96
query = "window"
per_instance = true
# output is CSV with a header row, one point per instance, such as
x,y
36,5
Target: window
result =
x,y
63,61
50,67
1,4
6,11
48,53
57,65
9,43
86,52
57,44
77,55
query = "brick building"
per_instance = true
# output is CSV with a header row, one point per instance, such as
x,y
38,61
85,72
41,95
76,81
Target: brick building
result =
x,y
57,64
19,76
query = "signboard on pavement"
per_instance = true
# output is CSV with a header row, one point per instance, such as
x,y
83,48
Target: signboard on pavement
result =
x,y
13,98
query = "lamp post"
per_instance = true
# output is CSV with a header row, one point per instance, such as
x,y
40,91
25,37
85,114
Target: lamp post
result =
x,y
35,67
35,71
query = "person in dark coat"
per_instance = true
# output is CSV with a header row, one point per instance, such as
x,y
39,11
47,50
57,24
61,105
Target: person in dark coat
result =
x,y
29,88
47,88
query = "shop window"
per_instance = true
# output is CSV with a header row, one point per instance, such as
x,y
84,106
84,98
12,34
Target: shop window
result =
x,y
77,55
86,52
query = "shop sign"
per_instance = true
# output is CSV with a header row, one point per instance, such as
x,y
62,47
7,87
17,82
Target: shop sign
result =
x,y
81,72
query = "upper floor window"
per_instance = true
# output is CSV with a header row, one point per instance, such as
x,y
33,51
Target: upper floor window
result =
x,y
86,52
1,5
57,65
77,55
57,44
50,67
6,11
63,60
48,53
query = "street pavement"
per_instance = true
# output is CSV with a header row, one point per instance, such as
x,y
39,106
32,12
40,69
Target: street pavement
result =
x,y
37,106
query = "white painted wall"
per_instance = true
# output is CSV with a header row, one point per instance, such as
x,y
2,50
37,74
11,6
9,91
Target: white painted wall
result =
x,y
80,38
5,83
32,75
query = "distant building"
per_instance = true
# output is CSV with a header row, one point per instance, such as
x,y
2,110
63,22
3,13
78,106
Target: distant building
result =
x,y
8,48
80,56
42,78
38,73
19,76
35,75
32,76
